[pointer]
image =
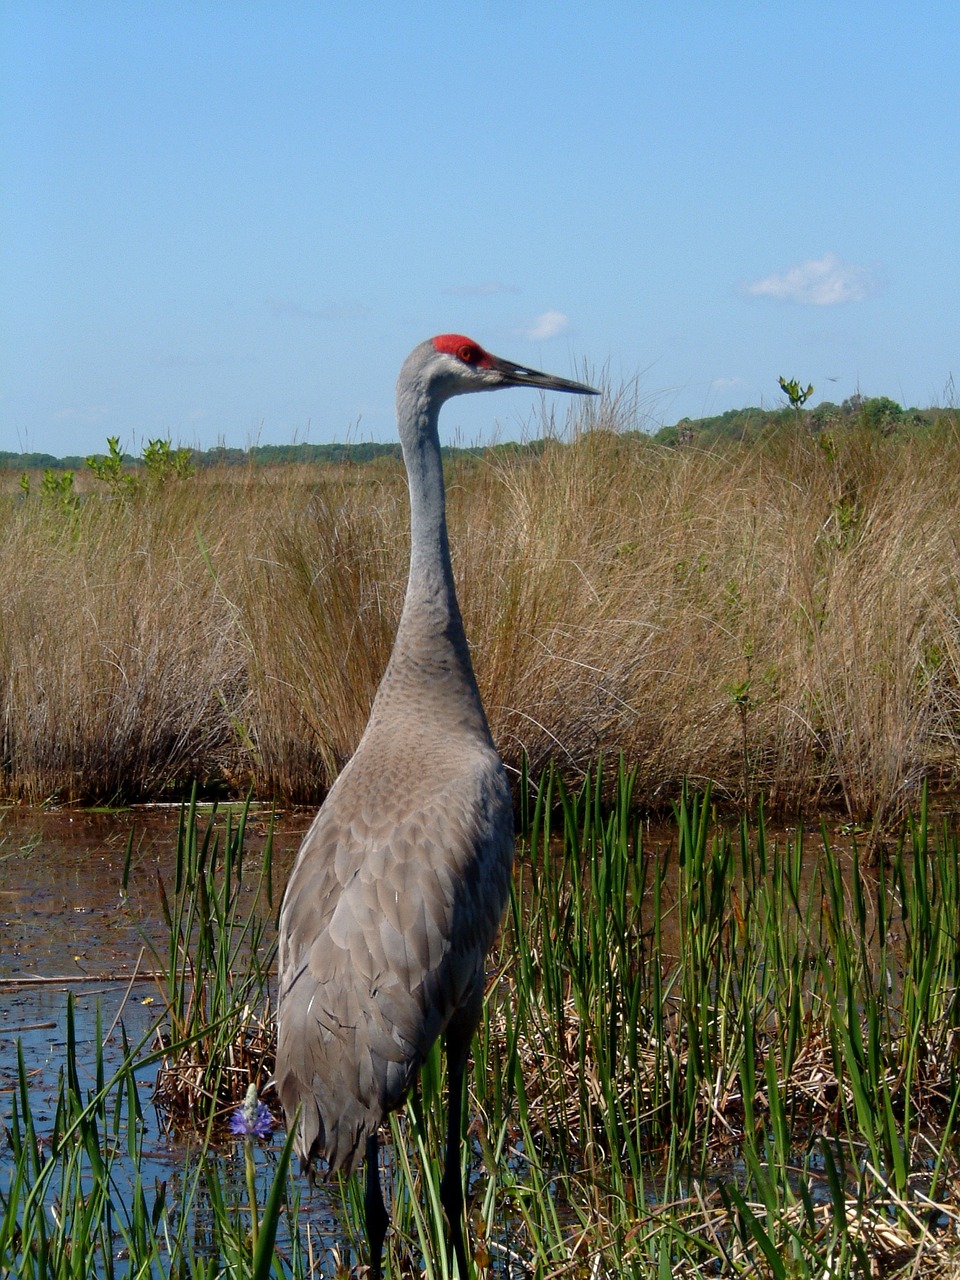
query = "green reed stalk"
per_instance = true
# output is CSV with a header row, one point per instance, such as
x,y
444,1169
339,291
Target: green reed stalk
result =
x,y
217,967
629,1070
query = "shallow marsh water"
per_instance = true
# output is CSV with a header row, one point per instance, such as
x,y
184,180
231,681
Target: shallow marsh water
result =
x,y
67,926
80,915
69,930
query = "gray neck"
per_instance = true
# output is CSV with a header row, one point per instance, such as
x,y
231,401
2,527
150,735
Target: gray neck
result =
x,y
430,655
430,589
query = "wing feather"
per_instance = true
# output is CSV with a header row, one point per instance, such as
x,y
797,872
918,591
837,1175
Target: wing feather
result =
x,y
383,932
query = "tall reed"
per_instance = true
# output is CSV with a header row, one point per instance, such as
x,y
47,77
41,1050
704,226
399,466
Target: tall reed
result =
x,y
723,1056
218,1035
74,1201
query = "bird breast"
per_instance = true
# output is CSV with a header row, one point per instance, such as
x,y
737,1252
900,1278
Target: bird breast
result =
x,y
395,898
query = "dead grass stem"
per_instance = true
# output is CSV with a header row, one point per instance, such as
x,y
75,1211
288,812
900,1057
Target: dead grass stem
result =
x,y
781,618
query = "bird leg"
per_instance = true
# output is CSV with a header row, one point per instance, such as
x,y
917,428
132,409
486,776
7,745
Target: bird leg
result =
x,y
451,1185
374,1208
458,1037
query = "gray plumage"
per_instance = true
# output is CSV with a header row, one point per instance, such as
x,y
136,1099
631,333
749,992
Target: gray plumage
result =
x,y
401,882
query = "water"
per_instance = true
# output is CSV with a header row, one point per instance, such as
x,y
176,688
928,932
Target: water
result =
x,y
78,919
80,912
71,932
80,915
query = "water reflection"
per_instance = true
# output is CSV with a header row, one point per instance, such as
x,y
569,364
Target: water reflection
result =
x,y
69,932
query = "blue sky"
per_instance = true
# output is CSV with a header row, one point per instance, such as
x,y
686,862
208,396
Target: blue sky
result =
x,y
229,222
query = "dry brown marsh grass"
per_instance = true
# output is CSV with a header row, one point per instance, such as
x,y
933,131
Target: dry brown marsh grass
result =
x,y
112,654
781,618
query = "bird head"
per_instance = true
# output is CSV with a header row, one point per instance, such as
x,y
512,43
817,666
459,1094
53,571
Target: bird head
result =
x,y
454,365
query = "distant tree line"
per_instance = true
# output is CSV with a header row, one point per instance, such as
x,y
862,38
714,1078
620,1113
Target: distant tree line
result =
x,y
257,455
219,456
872,413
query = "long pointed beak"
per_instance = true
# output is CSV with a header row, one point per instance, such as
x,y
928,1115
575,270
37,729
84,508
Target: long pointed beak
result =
x,y
518,375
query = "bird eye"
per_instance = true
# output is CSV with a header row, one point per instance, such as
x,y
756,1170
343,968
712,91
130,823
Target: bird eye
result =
x,y
468,353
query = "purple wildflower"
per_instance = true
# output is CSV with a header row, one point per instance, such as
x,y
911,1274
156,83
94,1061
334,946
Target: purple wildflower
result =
x,y
252,1119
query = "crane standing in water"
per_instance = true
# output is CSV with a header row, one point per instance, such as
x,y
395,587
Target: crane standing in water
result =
x,y
401,882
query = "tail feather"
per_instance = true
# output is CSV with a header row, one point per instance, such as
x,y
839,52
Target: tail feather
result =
x,y
341,1143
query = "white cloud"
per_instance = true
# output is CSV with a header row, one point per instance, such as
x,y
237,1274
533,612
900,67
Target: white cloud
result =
x,y
819,282
548,325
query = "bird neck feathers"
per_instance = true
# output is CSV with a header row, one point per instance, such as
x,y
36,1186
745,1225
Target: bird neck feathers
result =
x,y
430,637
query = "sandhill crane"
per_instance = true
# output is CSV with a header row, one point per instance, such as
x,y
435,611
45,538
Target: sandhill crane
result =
x,y
401,882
